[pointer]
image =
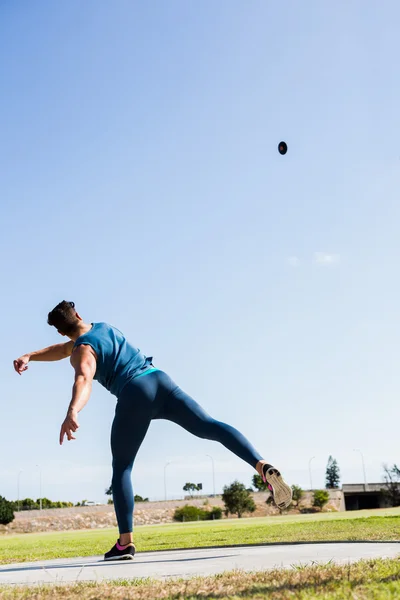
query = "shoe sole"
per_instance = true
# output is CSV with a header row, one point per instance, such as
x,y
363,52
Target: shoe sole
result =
x,y
125,557
281,491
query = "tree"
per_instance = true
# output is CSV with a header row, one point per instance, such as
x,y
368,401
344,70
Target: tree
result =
x,y
297,494
321,497
6,511
46,503
392,484
237,499
191,487
259,484
332,474
29,504
109,491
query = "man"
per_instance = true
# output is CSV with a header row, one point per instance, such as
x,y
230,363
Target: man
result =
x,y
101,352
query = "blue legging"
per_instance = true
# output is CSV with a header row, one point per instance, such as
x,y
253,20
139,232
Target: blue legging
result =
x,y
156,396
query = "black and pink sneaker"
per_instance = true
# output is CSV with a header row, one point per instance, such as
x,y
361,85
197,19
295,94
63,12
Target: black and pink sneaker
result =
x,y
118,552
280,490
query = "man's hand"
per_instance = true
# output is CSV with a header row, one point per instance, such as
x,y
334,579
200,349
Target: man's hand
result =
x,y
21,364
69,426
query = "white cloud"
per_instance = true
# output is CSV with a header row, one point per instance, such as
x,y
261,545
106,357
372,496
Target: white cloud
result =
x,y
293,261
325,259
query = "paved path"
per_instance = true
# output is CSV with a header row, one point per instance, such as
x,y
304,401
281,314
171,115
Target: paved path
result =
x,y
189,563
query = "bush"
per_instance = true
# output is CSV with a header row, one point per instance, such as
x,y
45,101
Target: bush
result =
x,y
6,511
321,497
214,513
193,513
138,498
297,494
237,499
110,501
46,503
190,513
28,504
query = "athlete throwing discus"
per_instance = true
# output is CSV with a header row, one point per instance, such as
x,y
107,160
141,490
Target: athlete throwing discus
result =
x,y
101,352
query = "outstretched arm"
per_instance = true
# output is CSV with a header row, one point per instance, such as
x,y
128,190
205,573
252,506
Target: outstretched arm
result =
x,y
84,362
56,352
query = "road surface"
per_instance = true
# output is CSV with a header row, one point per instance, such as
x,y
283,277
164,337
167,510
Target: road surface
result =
x,y
190,563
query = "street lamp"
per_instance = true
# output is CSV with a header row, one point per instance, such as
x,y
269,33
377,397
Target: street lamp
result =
x,y
40,485
19,475
363,466
165,479
213,472
309,471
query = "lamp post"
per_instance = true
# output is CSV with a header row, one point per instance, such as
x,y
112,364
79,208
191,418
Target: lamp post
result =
x,y
19,475
363,466
40,485
213,472
165,479
309,471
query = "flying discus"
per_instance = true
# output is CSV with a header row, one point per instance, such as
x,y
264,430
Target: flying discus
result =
x,y
282,148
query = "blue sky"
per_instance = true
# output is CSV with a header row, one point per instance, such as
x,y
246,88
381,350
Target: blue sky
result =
x,y
140,178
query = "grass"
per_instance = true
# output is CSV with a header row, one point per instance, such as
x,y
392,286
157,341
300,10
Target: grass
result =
x,y
377,525
365,580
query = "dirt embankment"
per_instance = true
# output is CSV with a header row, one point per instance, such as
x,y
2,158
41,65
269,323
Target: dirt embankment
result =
x,y
146,513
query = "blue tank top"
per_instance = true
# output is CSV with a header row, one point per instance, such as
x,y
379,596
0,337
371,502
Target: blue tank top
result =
x,y
117,360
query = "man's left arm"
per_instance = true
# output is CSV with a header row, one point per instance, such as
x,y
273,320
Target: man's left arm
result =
x,y
84,363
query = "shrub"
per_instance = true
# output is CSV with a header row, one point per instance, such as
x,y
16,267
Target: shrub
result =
x,y
138,498
297,493
46,503
6,511
321,497
110,501
28,504
237,499
214,513
190,513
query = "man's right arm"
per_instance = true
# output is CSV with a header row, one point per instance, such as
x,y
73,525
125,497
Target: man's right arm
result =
x,y
56,352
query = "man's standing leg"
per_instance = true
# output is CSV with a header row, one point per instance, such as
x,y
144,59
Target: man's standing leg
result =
x,y
130,425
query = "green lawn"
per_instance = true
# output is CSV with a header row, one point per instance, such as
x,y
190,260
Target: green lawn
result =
x,y
361,525
366,580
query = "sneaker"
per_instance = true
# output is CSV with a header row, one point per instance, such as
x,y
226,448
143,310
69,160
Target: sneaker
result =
x,y
280,490
118,552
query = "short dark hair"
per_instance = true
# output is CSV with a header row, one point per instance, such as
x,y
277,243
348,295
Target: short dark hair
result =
x,y
63,317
